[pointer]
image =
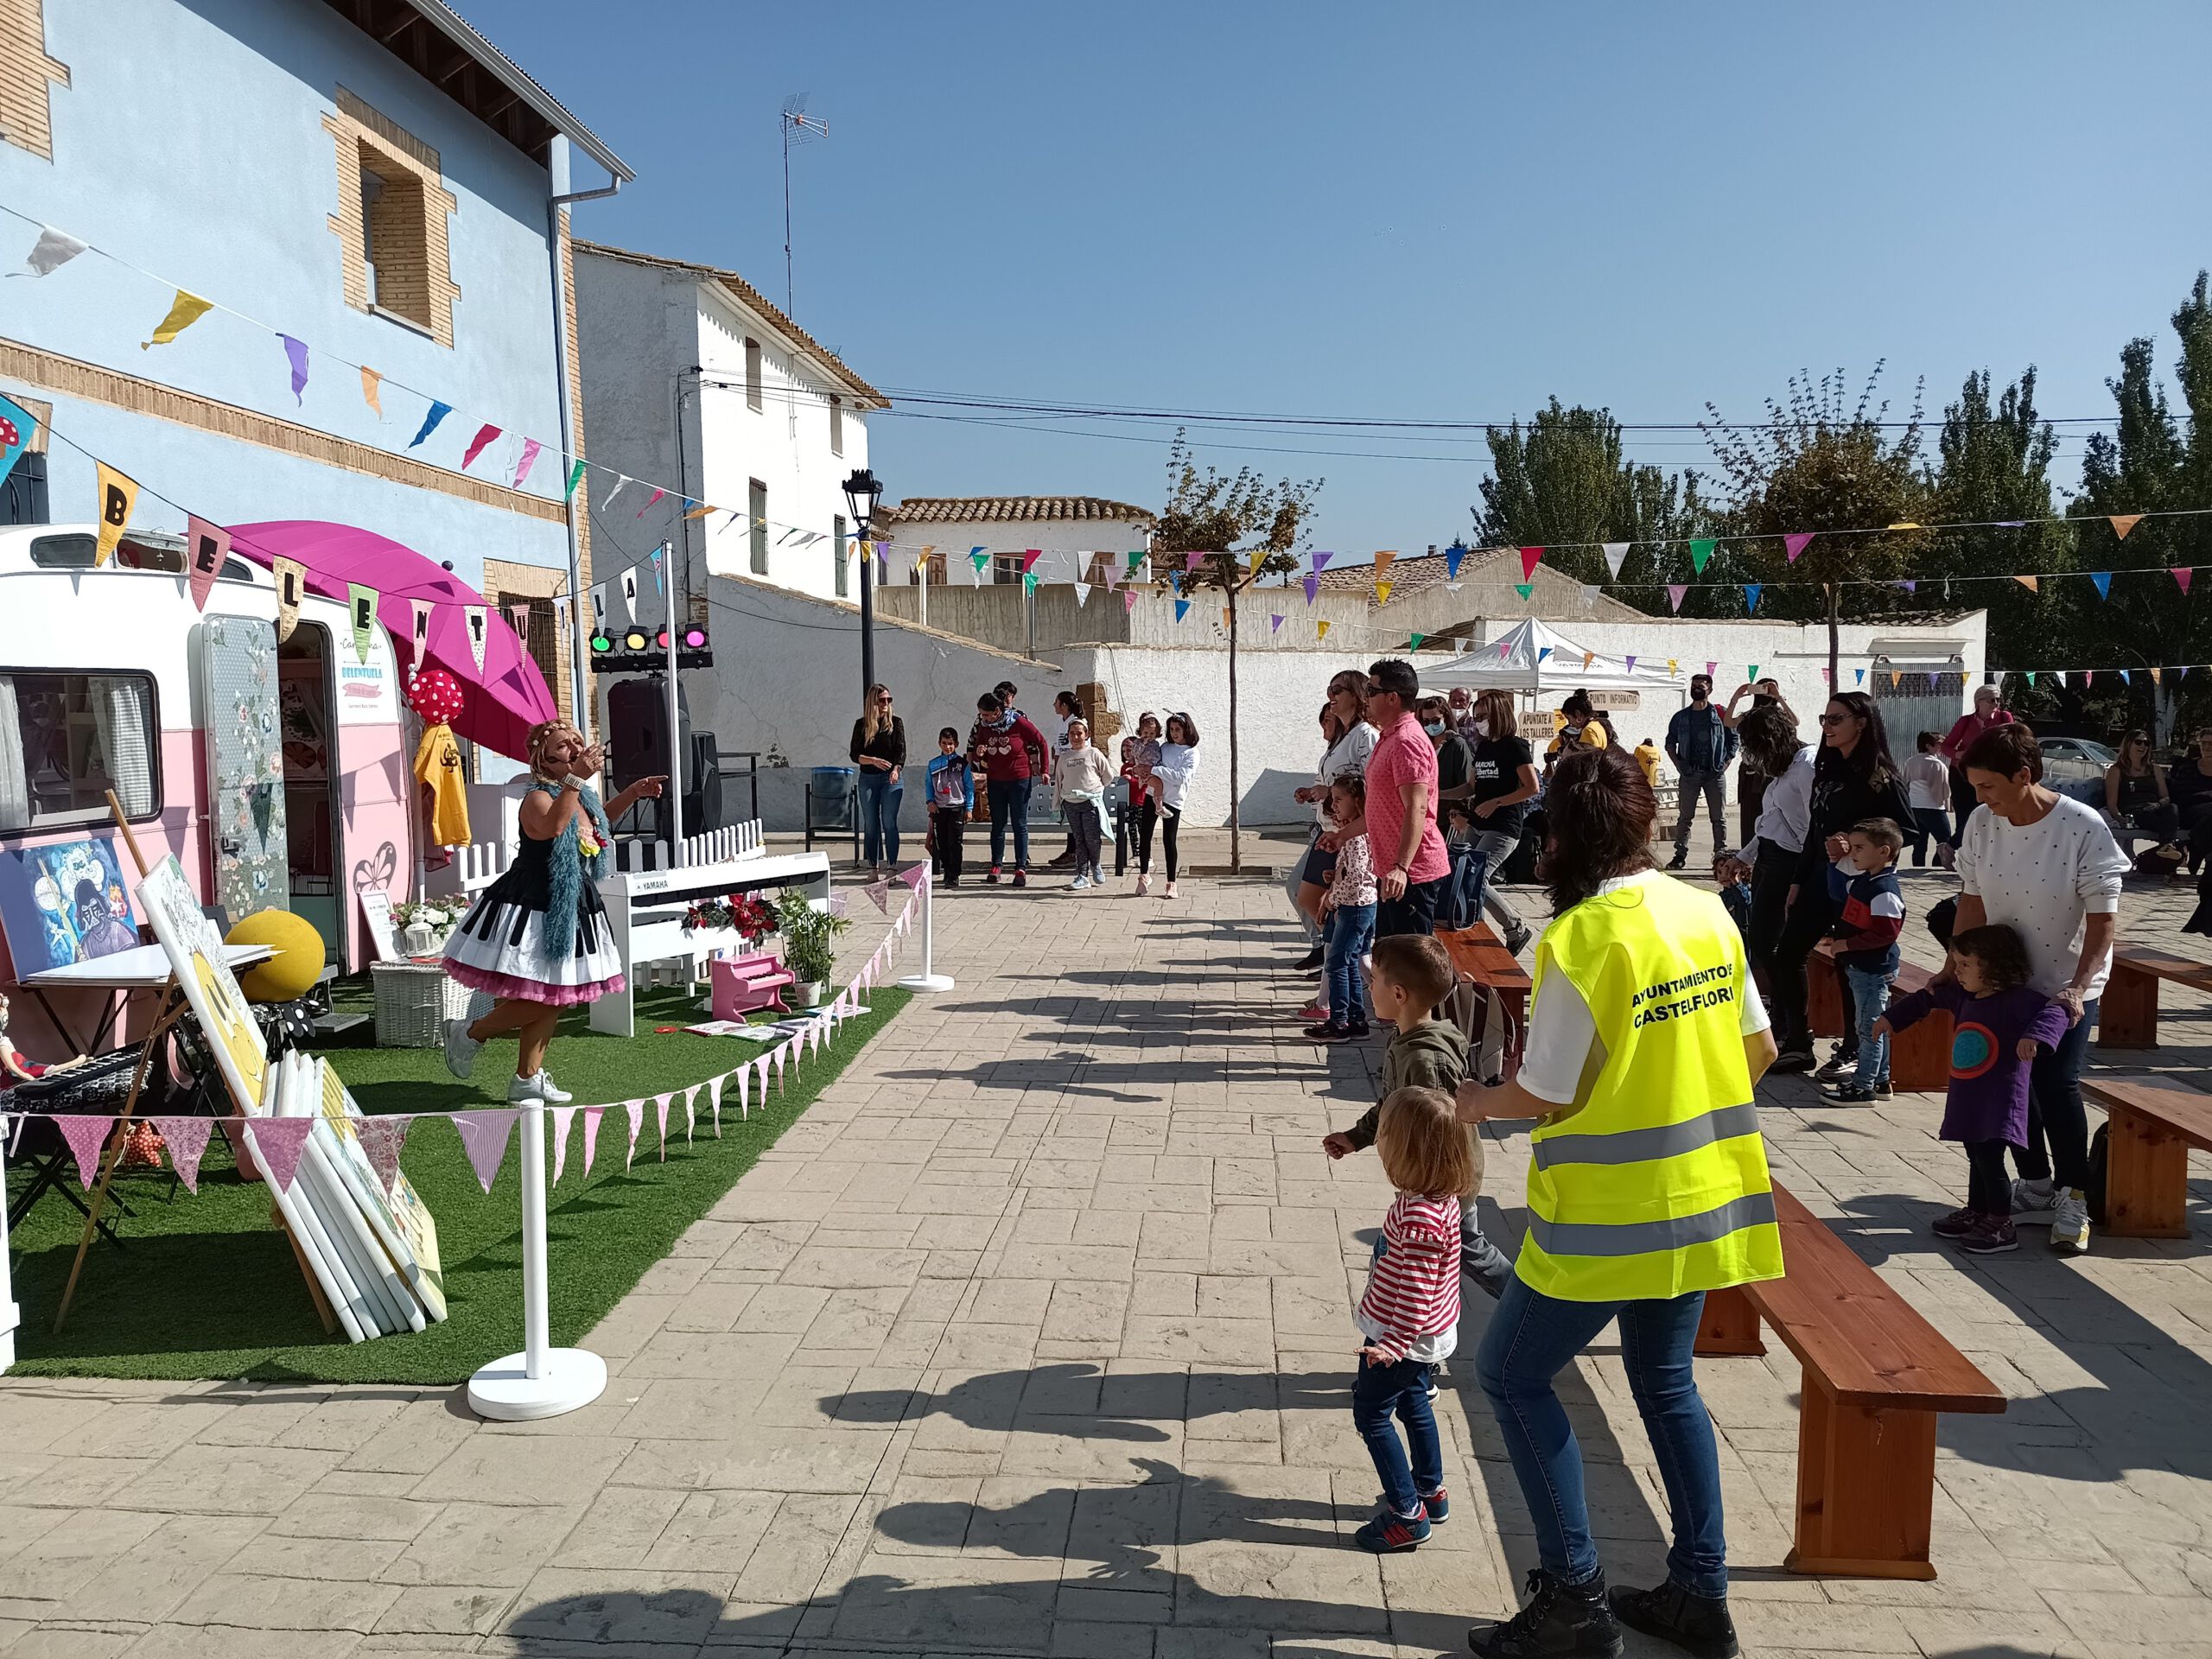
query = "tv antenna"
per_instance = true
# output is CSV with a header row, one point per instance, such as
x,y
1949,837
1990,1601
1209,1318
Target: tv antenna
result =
x,y
798,127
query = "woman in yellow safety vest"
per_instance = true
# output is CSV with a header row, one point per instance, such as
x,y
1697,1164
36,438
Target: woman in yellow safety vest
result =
x,y
1647,1187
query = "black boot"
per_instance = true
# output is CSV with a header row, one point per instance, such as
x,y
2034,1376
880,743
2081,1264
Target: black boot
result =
x,y
1560,1622
1307,962
1697,1624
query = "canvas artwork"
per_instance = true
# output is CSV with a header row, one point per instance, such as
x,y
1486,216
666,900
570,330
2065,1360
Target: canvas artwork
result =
x,y
65,903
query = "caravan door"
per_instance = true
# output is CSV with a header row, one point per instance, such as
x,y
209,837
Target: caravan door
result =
x,y
246,841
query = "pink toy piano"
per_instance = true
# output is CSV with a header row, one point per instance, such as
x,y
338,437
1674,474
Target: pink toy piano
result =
x,y
741,985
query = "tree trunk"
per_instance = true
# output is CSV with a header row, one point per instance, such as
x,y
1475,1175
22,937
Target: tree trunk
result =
x,y
1235,825
1834,655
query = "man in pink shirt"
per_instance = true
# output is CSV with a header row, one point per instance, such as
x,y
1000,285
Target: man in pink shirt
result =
x,y
1410,863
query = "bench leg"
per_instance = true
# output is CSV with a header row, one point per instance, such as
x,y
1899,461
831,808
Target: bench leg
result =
x,y
1823,996
1729,1325
2127,1013
1866,1490
2147,1178
1920,1055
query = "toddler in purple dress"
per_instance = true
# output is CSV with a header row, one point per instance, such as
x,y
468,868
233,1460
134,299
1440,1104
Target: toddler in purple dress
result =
x,y
1997,1021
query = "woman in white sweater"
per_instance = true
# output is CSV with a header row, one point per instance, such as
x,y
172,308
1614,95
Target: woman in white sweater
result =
x,y
1171,783
1081,777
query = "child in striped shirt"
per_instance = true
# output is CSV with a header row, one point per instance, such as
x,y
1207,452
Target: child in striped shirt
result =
x,y
1410,1314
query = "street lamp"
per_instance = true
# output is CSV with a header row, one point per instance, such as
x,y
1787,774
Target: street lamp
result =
x,y
862,491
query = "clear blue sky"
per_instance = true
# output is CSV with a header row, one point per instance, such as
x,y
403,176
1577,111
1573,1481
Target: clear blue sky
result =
x,y
1447,212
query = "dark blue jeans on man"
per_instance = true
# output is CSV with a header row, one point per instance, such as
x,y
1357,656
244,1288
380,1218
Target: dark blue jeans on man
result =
x,y
1531,1339
1415,912
1380,1393
2058,1124
880,799
1010,799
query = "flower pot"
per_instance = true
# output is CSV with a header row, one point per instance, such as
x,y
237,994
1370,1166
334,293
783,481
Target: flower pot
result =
x,y
809,993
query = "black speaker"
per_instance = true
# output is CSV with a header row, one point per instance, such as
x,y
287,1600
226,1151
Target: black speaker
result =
x,y
702,784
637,730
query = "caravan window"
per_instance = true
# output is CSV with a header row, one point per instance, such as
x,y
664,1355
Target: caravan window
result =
x,y
66,740
75,552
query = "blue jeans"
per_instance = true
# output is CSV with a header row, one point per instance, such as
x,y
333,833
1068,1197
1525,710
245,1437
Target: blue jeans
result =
x,y
2058,1124
1380,1392
1869,999
880,799
1010,799
1531,1339
1351,928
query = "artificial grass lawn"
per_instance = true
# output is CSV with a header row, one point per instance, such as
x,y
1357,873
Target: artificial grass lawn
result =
x,y
207,1287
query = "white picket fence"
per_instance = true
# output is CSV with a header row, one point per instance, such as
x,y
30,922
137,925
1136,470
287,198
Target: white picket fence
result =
x,y
481,863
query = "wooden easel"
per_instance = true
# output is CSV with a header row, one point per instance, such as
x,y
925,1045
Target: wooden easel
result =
x,y
172,1009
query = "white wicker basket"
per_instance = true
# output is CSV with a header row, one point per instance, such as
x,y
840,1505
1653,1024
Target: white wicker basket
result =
x,y
414,1002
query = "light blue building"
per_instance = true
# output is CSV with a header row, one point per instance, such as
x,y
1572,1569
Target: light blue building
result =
x,y
373,179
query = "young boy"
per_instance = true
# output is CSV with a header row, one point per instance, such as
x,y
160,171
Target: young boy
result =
x,y
1865,880
951,785
1410,976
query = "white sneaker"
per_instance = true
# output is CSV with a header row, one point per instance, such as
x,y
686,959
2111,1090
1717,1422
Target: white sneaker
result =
x,y
1080,882
1144,885
551,1092
460,1047
2033,1205
2069,1222
1170,892
520,1090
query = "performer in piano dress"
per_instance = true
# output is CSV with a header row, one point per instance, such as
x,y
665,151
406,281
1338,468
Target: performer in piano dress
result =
x,y
537,940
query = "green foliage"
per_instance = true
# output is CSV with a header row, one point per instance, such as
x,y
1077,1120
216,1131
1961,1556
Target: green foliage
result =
x,y
1208,512
810,937
1563,479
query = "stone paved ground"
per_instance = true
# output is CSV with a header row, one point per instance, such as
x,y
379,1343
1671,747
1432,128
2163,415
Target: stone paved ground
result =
x,y
1032,1337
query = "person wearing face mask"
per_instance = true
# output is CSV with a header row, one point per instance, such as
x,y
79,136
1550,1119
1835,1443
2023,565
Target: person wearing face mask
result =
x,y
1501,783
1454,760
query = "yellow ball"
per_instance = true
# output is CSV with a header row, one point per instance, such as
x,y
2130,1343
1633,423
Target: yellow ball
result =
x,y
297,964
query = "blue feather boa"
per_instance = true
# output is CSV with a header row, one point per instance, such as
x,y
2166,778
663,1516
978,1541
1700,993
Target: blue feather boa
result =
x,y
568,870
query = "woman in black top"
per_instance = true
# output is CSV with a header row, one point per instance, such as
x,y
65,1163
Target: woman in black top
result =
x,y
2189,786
879,749
1853,778
1504,782
2136,800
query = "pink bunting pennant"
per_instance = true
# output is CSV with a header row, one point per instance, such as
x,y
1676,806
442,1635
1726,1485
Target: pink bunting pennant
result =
x,y
743,1074
1796,541
715,1096
691,1112
592,1114
1710,665
86,1136
1675,590
485,1135
660,1120
1190,561
1129,600
2182,573
657,495
187,1140
278,1144
914,875
530,448
381,1139
636,1111
485,433
881,892
206,548
562,1117
760,1067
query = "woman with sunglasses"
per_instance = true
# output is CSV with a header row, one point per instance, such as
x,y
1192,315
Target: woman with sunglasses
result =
x,y
1854,779
879,749
2136,801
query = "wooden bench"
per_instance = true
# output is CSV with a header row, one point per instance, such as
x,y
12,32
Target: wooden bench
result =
x,y
1484,964
2151,1127
2127,1015
1876,1375
1920,1055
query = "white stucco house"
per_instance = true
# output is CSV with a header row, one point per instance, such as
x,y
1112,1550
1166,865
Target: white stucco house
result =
x,y
1072,533
698,384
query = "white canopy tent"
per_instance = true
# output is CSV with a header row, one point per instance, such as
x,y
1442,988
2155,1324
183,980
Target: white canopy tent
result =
x,y
1534,659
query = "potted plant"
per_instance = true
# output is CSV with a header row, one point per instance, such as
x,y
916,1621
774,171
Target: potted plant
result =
x,y
423,924
809,945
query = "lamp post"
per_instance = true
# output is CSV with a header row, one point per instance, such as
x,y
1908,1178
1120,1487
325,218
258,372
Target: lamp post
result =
x,y
862,491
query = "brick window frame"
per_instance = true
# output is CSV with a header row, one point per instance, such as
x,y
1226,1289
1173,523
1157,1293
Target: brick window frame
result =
x,y
27,77
414,283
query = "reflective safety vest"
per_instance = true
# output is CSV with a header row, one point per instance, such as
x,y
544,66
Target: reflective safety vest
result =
x,y
1655,1183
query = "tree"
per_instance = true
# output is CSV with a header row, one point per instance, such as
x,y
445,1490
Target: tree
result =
x,y
1562,481
1248,528
1819,462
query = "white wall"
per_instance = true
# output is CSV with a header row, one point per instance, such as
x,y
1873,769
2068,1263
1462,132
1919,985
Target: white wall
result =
x,y
1065,544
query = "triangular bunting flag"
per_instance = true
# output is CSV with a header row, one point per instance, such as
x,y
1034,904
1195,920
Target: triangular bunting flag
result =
x,y
622,481
1312,586
1029,582
296,354
2126,678
1751,591
1531,558
1675,590
53,250
592,1114
715,1097
485,433
361,608
473,617
1385,559
2028,583
2182,574
1524,588
1630,661
1896,678
1321,630
1322,562
1701,551
879,892
2101,580
1082,594
1616,553
635,1110
525,462
1136,558
657,495
1029,557
914,875
1190,563
436,412
1709,664
1129,600
691,1112
206,548
1275,621
978,557
86,1136
118,495
660,1120
1182,609
485,1136
1911,586
562,1115
577,477
627,583
2121,522
187,1140
1861,673
1412,641
1588,658
291,578
1452,555
2031,677
2154,676
185,310
1753,676
1796,541
278,1143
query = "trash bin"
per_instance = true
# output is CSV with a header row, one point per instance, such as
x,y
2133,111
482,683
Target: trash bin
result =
x,y
832,804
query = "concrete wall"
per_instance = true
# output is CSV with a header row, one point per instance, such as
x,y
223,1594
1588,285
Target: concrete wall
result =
x,y
787,674
1065,546
229,193
636,325
994,614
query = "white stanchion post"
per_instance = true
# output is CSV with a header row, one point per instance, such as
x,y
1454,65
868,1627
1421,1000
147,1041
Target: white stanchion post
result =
x,y
541,1380
929,979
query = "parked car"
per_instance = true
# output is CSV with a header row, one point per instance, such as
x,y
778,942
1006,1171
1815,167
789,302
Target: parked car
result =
x,y
2076,766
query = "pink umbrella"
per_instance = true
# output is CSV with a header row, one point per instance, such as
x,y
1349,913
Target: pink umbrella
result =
x,y
505,701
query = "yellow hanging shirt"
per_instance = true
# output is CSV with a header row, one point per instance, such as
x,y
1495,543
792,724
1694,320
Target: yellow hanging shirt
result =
x,y
437,764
